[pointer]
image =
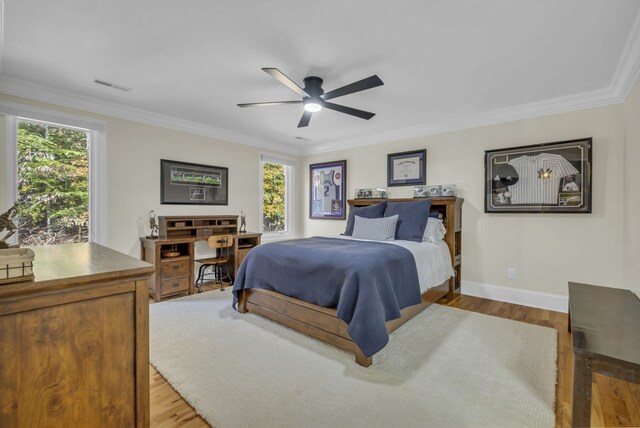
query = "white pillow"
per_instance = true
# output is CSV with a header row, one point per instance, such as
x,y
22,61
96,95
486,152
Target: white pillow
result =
x,y
435,230
377,229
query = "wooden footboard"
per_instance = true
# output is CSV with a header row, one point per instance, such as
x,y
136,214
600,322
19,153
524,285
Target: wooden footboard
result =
x,y
322,323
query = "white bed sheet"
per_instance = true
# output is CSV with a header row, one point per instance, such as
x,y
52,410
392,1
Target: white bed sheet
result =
x,y
432,260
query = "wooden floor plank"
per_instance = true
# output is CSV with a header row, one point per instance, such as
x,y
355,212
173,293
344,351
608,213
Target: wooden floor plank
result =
x,y
615,403
168,409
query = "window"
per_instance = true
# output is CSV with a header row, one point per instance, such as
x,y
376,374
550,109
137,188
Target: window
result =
x,y
275,201
53,184
56,170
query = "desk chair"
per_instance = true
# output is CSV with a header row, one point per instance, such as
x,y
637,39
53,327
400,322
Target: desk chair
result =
x,y
222,245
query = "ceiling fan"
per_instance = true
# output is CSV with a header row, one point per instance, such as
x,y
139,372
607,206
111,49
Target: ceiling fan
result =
x,y
314,97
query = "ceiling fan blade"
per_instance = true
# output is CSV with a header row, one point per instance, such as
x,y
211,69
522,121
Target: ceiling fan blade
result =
x,y
360,85
282,78
304,120
273,103
348,110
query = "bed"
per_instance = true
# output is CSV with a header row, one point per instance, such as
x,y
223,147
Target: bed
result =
x,y
326,323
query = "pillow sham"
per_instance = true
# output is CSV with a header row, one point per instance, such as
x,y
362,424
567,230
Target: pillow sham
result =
x,y
377,229
372,211
412,218
435,230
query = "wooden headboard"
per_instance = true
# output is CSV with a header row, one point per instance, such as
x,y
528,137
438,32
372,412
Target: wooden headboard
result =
x,y
450,209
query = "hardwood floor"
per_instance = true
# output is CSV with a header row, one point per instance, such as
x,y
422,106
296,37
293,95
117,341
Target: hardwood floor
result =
x,y
615,403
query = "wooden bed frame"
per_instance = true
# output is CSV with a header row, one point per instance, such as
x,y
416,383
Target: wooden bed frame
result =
x,y
322,323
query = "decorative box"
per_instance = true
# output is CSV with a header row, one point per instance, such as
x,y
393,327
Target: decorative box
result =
x,y
448,190
420,192
434,191
16,264
427,191
378,193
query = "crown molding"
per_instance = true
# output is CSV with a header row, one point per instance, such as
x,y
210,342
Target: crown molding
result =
x,y
628,69
626,74
37,92
623,80
553,106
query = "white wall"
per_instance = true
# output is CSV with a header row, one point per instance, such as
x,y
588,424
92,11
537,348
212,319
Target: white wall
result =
x,y
3,166
548,250
134,151
631,195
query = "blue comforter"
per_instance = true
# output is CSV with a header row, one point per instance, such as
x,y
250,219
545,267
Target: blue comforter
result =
x,y
367,282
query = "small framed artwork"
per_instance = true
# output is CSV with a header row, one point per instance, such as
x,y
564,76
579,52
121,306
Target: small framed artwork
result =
x,y
407,168
193,184
543,178
327,192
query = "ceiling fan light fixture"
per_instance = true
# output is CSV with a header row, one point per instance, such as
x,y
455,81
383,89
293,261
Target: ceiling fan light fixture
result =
x,y
314,98
312,107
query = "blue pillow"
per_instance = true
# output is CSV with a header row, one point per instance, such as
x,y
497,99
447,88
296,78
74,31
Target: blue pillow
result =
x,y
412,218
372,211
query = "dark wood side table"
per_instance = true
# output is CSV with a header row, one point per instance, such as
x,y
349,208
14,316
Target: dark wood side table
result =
x,y
605,331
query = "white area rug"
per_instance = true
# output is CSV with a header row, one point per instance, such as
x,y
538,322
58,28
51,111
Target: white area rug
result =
x,y
444,368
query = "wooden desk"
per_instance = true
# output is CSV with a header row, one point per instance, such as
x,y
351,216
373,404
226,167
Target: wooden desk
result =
x,y
605,329
174,275
74,343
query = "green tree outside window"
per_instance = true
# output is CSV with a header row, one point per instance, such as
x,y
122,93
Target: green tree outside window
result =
x,y
273,202
53,184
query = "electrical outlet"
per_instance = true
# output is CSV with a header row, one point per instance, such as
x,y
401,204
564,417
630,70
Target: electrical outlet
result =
x,y
511,273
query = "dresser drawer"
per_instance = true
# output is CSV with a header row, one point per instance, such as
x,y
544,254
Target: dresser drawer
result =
x,y
172,286
242,253
174,268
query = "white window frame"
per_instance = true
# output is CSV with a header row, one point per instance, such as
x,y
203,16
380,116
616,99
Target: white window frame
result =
x,y
289,172
97,154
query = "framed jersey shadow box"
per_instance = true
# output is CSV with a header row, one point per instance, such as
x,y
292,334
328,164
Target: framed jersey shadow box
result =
x,y
327,192
542,178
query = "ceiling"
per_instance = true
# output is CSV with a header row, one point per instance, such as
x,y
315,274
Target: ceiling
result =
x,y
445,64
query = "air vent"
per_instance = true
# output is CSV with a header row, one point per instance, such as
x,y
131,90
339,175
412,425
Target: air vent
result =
x,y
111,85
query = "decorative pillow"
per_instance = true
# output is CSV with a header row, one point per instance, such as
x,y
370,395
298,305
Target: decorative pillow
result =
x,y
377,229
412,218
372,211
435,230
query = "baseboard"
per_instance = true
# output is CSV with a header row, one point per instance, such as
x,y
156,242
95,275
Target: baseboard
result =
x,y
535,299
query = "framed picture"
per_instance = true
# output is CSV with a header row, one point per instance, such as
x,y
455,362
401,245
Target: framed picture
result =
x,y
193,184
543,178
328,183
407,168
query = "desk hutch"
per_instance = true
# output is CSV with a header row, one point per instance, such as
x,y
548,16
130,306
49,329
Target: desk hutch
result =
x,y
178,234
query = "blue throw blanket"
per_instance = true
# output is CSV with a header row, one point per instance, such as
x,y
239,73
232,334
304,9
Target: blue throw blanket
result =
x,y
367,282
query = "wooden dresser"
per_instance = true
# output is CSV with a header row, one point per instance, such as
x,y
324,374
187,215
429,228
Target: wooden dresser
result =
x,y
74,343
